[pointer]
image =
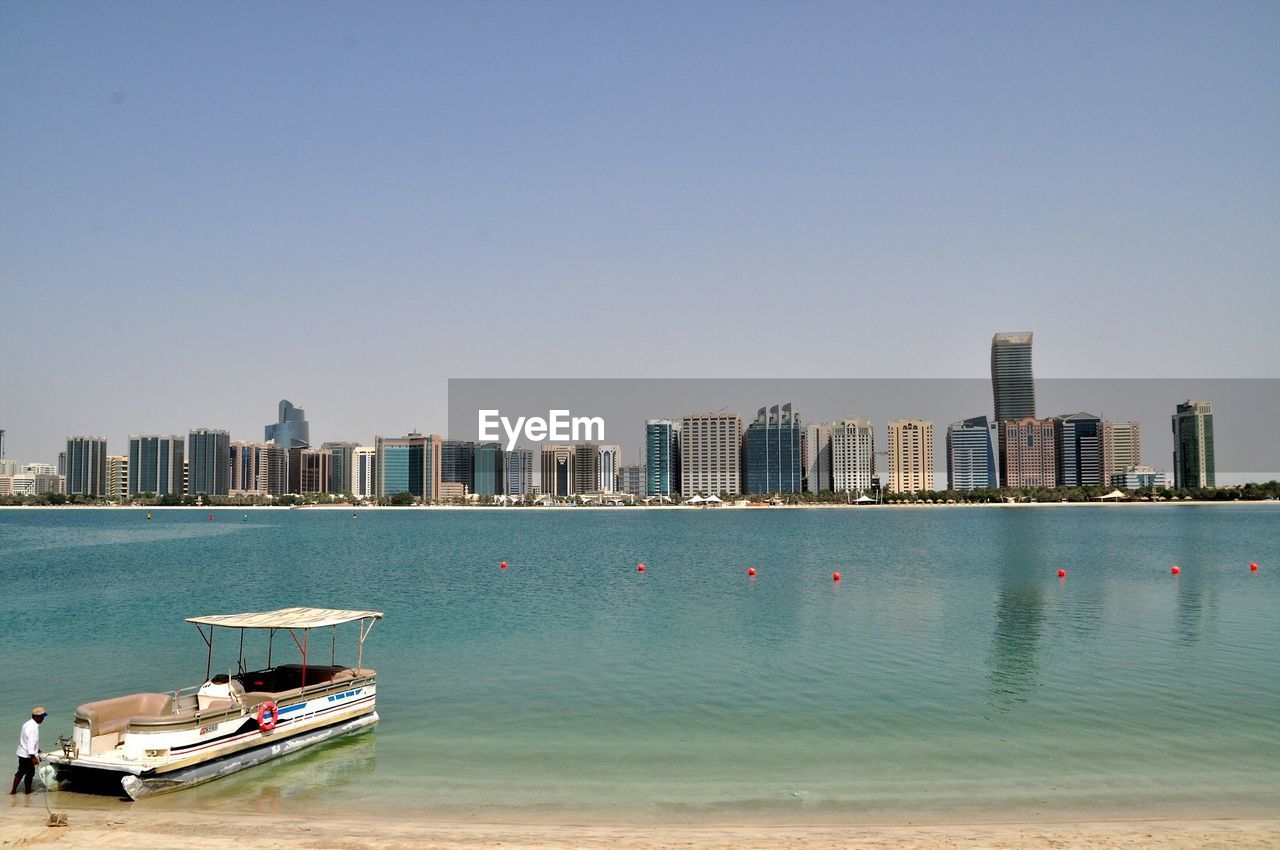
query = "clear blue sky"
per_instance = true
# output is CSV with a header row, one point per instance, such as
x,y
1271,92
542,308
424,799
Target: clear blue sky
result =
x,y
207,207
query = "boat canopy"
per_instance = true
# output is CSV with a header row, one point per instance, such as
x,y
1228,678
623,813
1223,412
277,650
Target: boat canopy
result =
x,y
286,618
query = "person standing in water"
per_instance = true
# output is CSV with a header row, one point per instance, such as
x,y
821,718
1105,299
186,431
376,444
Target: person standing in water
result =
x,y
29,749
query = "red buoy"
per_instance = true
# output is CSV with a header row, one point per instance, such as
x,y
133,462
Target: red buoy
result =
x,y
835,576
1174,569
751,571
503,564
1062,573
1253,568
640,568
210,517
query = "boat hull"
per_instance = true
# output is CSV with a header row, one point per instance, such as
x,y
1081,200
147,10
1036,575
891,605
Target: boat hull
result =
x,y
140,786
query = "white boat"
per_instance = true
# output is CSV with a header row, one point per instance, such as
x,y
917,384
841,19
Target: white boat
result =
x,y
150,743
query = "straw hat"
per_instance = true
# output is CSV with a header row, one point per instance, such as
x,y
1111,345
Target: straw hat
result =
x,y
39,711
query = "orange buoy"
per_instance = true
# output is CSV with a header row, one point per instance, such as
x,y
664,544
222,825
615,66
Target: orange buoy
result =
x,y
1174,569
640,568
1062,573
503,564
751,571
835,576
1253,568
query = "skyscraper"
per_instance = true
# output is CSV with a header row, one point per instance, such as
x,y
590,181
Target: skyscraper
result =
x,y
518,470
315,470
488,473
409,464
457,463
251,469
608,463
710,453
86,465
1193,445
853,448
156,464
662,457
910,455
774,459
339,465
1012,383
1121,447
971,462
291,428
1077,445
209,452
1027,452
586,468
817,458
557,472
117,476
363,480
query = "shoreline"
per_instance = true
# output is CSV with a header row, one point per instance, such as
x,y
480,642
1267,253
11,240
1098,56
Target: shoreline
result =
x,y
24,821
630,508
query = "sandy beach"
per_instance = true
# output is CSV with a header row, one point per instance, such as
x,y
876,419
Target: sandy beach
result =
x,y
23,823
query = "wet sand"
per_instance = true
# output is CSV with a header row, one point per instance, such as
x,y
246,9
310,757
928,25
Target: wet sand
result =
x,y
23,823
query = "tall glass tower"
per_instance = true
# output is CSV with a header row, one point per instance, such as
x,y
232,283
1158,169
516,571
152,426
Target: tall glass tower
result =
x,y
1012,383
209,453
1193,445
291,430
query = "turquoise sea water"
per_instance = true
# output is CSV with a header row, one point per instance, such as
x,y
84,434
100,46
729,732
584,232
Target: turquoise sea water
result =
x,y
950,675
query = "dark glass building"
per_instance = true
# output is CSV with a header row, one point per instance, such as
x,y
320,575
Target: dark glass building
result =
x,y
340,466
86,465
155,464
489,477
209,462
662,457
1077,444
773,452
409,464
457,463
1012,384
971,459
1193,445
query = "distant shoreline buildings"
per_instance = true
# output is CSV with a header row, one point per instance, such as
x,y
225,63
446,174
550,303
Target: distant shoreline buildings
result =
x,y
697,454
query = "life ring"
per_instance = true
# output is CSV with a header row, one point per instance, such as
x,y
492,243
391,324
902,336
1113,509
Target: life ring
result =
x,y
268,716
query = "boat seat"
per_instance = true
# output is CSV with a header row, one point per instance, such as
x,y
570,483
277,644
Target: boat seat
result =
x,y
109,716
351,673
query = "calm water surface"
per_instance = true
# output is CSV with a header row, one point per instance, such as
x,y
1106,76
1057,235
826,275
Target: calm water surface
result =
x,y
950,675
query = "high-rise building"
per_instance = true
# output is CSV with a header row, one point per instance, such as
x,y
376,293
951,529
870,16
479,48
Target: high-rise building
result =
x,y
586,468
632,479
1027,453
853,455
558,476
252,469
662,457
363,479
710,454
910,455
1121,447
62,463
971,461
1077,449
291,428
457,463
409,464
339,465
209,462
86,465
1139,478
156,464
518,470
488,474
315,470
773,451
1012,383
608,463
117,476
817,458
1193,445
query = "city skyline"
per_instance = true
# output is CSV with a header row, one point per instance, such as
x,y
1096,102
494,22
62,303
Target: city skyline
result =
x,y
993,166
